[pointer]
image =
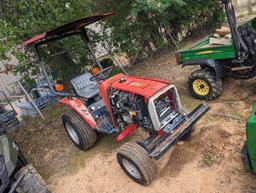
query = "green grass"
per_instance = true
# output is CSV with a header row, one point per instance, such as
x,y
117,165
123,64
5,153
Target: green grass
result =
x,y
53,113
45,171
207,159
78,158
50,150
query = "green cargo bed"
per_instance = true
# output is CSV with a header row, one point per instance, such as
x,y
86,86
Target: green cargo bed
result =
x,y
202,49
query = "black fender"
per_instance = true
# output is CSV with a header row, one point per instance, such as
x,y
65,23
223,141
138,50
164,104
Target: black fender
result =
x,y
215,65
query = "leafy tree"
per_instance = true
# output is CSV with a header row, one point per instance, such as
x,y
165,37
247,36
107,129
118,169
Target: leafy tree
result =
x,y
249,6
20,20
140,29
143,27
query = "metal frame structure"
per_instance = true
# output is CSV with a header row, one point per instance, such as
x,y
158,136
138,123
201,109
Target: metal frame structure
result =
x,y
27,96
8,119
240,47
70,29
116,96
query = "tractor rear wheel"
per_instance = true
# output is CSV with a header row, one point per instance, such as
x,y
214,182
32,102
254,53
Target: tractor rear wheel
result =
x,y
136,163
204,85
79,131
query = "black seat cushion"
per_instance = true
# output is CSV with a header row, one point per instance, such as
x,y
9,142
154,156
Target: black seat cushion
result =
x,y
84,87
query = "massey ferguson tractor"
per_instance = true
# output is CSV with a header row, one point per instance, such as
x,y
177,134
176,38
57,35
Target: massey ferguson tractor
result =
x,y
106,104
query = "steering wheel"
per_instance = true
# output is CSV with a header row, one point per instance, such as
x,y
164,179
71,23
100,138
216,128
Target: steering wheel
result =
x,y
102,75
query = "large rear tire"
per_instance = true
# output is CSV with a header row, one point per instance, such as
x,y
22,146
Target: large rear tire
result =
x,y
204,85
136,163
79,131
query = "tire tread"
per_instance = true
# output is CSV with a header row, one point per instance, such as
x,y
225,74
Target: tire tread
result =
x,y
140,156
214,83
88,136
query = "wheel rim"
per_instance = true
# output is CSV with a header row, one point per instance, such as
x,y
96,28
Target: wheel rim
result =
x,y
130,167
72,133
201,87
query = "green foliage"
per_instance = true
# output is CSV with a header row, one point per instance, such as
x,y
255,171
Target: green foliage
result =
x,y
207,160
140,29
7,36
153,6
20,20
143,27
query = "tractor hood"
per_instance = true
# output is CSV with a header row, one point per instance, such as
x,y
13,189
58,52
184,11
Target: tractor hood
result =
x,y
138,85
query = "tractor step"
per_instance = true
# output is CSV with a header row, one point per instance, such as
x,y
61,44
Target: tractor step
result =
x,y
241,68
158,145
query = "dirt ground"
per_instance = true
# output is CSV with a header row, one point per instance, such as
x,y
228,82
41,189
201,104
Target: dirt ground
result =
x,y
209,162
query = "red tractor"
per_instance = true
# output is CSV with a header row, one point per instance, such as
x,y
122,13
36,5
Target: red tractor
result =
x,y
120,104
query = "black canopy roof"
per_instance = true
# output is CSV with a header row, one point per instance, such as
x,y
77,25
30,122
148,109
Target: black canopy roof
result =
x,y
68,28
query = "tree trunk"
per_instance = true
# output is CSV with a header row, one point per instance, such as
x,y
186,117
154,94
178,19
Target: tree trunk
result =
x,y
250,11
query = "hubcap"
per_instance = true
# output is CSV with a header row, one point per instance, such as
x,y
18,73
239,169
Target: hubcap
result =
x,y
72,133
131,169
201,87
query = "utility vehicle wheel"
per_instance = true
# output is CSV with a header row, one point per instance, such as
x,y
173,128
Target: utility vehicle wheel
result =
x,y
32,182
78,130
204,85
245,159
136,163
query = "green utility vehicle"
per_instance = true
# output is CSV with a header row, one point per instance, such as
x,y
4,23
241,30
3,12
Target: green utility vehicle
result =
x,y
248,153
232,53
16,175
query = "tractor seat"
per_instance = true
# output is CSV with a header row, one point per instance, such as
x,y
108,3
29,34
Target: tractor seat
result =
x,y
84,87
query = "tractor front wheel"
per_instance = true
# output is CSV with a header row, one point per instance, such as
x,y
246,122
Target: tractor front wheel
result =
x,y
78,130
191,129
136,163
204,85
187,135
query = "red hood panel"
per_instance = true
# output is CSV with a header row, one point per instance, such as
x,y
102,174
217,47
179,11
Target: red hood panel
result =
x,y
139,85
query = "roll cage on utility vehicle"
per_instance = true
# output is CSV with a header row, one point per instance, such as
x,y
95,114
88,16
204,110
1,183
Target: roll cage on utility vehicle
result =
x,y
221,56
120,104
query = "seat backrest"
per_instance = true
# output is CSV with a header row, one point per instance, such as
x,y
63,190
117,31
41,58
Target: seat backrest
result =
x,y
84,87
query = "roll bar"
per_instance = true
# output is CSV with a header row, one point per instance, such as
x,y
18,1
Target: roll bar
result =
x,y
84,36
74,28
236,38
